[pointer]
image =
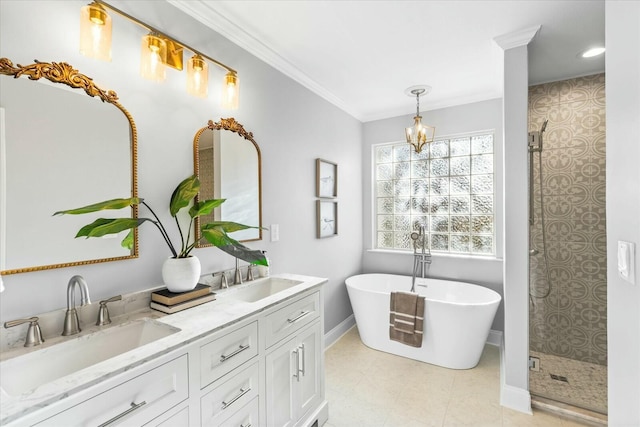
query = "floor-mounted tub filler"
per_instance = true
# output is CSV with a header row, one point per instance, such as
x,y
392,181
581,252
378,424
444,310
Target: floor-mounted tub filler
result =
x,y
457,317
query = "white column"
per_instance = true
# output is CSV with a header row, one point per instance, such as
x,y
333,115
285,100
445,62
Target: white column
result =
x,y
514,370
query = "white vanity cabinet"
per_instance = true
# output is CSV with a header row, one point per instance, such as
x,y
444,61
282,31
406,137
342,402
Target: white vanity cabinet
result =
x,y
293,377
134,402
294,361
260,365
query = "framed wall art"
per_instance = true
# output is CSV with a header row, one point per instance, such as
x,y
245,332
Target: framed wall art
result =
x,y
326,218
326,179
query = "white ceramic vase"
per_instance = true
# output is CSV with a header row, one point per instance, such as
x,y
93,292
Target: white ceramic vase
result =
x,y
181,274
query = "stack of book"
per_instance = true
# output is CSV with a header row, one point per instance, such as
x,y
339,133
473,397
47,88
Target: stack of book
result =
x,y
171,302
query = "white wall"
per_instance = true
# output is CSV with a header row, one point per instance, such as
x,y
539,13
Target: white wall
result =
x,y
623,207
486,115
292,126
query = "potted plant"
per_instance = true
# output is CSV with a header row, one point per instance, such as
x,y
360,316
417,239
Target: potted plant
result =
x,y
181,271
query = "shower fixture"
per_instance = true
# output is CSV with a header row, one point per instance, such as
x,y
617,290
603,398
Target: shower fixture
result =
x,y
535,145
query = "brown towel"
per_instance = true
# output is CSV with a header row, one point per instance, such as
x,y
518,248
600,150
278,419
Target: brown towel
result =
x,y
406,320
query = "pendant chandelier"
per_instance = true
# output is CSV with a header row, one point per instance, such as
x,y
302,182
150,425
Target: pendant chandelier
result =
x,y
419,134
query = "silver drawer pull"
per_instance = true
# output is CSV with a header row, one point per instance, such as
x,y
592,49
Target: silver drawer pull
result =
x,y
243,391
240,349
134,407
245,425
298,317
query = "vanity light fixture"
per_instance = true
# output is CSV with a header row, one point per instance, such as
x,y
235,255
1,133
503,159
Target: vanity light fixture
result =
x,y
153,57
230,91
158,51
95,32
197,76
419,134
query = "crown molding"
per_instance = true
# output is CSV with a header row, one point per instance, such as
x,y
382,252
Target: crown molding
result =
x,y
517,38
206,13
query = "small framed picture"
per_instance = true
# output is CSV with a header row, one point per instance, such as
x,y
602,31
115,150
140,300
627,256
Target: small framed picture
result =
x,y
326,179
326,218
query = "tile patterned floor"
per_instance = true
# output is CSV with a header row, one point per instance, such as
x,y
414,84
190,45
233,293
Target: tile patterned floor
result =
x,y
369,388
586,386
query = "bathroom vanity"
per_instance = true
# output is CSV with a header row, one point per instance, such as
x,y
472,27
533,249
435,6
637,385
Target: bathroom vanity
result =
x,y
253,357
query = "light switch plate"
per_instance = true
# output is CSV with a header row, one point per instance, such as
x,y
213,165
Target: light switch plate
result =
x,y
275,232
627,261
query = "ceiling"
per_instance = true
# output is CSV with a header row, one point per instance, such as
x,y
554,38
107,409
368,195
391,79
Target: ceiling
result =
x,y
362,55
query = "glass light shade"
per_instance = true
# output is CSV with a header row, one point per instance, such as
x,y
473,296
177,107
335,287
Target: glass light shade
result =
x,y
419,134
230,92
197,76
95,32
153,56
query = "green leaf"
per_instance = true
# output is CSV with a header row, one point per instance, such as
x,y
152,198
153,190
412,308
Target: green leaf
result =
x,y
103,226
227,226
107,204
183,194
205,207
249,255
219,238
127,242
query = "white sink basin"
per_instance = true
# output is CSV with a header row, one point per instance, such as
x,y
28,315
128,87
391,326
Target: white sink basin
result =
x,y
24,373
259,289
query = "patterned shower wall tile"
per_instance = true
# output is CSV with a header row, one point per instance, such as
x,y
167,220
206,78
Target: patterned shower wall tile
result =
x,y
567,253
599,343
567,207
574,89
543,95
599,193
599,292
566,231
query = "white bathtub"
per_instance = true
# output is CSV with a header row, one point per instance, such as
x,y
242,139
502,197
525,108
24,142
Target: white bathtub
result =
x,y
457,317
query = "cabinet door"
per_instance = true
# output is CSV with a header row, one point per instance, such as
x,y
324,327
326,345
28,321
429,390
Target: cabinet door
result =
x,y
280,368
310,352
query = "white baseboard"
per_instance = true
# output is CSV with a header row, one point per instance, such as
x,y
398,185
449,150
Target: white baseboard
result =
x,y
342,328
495,338
515,398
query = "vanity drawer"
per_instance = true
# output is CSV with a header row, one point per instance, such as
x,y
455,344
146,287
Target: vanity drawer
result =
x,y
292,317
227,353
229,398
133,402
246,416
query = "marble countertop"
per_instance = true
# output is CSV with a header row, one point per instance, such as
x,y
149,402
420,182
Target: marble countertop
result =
x,y
194,323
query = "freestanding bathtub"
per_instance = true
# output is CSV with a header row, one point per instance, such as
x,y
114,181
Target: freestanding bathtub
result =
x,y
457,317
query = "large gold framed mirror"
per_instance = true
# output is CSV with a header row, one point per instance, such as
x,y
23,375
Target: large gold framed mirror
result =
x,y
228,164
64,142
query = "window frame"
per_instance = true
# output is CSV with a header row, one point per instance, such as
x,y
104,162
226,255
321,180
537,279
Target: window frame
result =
x,y
496,233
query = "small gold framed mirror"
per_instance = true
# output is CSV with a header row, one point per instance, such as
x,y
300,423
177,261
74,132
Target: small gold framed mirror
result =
x,y
227,162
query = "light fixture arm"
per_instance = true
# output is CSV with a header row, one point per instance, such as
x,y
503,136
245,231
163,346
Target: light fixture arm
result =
x,y
163,35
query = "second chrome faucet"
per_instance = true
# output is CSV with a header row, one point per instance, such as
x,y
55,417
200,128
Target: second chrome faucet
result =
x,y
71,322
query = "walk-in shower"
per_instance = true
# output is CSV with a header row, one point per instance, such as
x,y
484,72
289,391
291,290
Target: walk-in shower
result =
x,y
567,235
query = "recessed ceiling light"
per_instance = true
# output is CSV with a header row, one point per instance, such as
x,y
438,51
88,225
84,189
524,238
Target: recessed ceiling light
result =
x,y
594,51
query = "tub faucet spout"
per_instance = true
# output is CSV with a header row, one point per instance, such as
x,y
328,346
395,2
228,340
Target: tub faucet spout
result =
x,y
71,322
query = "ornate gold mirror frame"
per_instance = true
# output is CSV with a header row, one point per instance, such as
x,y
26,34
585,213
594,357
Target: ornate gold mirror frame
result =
x,y
61,72
229,124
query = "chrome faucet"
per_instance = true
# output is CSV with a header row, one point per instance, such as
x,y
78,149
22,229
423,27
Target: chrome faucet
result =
x,y
237,280
71,322
422,258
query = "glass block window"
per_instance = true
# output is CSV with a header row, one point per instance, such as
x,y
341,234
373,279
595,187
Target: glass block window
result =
x,y
448,187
